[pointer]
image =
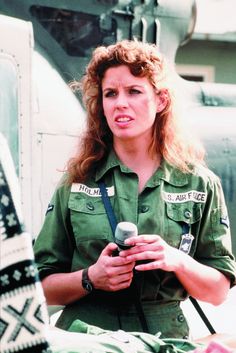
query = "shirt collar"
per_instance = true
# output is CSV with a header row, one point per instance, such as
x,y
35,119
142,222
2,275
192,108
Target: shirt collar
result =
x,y
111,162
165,172
169,174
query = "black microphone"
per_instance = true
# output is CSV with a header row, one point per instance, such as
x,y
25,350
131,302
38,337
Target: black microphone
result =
x,y
124,230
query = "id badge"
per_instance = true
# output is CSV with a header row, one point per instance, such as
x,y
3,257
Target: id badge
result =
x,y
186,243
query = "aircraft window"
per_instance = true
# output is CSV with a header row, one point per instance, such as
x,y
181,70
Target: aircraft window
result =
x,y
196,78
9,107
76,32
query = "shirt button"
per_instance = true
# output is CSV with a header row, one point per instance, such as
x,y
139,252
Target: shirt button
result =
x,y
90,206
181,318
187,214
145,208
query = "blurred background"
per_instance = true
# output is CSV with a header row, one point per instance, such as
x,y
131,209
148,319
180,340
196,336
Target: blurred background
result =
x,y
210,55
46,44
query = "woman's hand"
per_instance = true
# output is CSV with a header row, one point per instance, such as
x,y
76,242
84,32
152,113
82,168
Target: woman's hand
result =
x,y
111,273
152,249
201,281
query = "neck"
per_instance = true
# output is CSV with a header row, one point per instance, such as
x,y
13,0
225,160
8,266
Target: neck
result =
x,y
130,152
139,160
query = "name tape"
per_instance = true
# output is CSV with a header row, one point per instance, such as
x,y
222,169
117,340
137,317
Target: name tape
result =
x,y
191,195
93,192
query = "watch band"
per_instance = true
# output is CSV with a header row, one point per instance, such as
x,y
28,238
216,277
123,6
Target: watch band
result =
x,y
86,282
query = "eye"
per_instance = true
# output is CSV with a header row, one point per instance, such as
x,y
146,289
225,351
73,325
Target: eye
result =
x,y
134,91
110,93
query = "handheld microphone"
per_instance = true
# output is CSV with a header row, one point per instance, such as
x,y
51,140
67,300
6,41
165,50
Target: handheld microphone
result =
x,y
124,230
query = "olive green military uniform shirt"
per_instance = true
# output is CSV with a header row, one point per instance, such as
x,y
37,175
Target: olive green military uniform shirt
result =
x,y
187,210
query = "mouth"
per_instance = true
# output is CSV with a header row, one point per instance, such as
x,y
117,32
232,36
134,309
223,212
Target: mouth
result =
x,y
124,119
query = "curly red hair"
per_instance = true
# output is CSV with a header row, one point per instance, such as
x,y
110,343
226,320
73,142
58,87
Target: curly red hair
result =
x,y
143,60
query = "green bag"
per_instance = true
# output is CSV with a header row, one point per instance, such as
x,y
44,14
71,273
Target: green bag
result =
x,y
84,338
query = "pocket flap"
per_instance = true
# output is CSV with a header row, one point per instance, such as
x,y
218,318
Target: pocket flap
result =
x,y
84,205
186,212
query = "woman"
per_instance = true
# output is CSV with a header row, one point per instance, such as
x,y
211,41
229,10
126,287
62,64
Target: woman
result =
x,y
156,178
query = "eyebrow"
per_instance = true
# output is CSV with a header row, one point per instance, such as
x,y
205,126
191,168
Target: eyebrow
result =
x,y
129,86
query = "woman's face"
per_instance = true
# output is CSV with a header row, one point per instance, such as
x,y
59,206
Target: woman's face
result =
x,y
130,104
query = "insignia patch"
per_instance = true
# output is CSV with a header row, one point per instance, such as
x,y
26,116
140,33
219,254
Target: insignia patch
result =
x,y
186,243
50,208
225,221
191,195
93,192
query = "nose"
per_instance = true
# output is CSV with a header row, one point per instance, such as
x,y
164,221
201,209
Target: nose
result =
x,y
121,100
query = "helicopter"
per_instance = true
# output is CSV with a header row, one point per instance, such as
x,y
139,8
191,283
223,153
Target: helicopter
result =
x,y
61,37
46,45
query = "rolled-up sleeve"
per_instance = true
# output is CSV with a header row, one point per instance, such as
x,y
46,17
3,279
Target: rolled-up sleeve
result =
x,y
214,244
54,245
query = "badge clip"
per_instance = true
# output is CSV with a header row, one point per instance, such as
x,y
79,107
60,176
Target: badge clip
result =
x,y
186,243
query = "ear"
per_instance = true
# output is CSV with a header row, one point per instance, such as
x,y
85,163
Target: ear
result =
x,y
162,100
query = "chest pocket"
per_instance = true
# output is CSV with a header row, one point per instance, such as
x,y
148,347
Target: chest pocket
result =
x,y
88,218
182,217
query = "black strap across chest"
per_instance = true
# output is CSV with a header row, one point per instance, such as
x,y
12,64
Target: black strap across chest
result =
x,y
133,288
108,207
113,223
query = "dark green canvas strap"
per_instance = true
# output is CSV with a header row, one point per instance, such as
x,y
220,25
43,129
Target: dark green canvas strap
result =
x,y
202,315
134,287
108,207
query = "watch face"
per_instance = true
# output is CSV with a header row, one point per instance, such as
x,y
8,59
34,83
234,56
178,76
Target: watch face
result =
x,y
88,286
86,283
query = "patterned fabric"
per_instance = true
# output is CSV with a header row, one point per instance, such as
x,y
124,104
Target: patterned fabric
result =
x,y
23,315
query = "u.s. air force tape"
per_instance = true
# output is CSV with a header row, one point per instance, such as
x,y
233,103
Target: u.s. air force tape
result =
x,y
191,195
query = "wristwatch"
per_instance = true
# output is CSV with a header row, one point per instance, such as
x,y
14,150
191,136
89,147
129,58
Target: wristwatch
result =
x,y
86,283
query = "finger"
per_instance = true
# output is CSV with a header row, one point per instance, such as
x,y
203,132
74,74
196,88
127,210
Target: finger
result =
x,y
120,261
120,286
142,239
154,247
109,249
152,265
123,277
146,255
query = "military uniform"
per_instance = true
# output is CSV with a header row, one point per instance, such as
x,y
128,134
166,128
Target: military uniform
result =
x,y
187,210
